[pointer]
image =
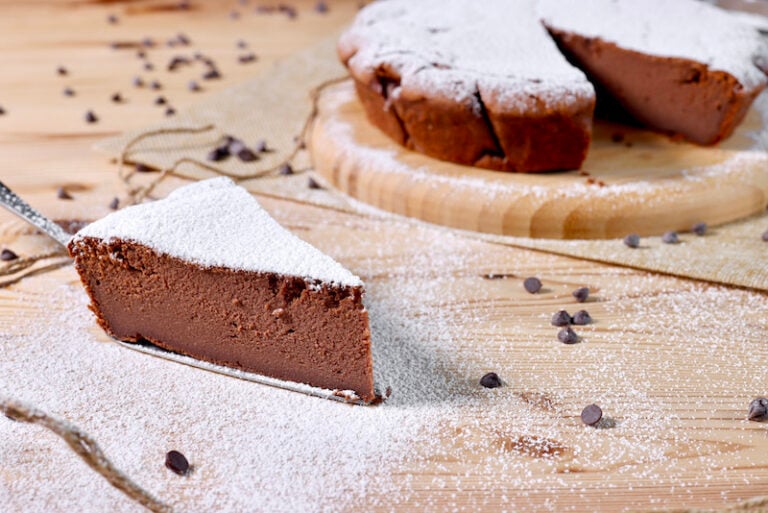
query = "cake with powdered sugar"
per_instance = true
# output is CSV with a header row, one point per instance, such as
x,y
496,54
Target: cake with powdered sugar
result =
x,y
206,272
685,68
478,83
501,85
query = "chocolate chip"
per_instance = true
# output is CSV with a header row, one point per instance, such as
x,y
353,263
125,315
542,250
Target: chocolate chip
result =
x,y
288,10
170,111
567,336
617,137
177,462
90,117
321,7
63,194
218,154
155,85
561,318
211,74
670,238
137,82
148,66
68,91
313,184
160,100
2,111
532,284
765,236
491,380
148,42
62,71
246,155
248,57
261,146
758,409
117,98
699,228
114,203
234,15
177,61
141,54
242,44
591,415
581,294
142,168
193,86
632,240
7,255
582,318
112,19
183,39
286,169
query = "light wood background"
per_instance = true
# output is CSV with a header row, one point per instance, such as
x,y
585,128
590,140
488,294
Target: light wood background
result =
x,y
712,457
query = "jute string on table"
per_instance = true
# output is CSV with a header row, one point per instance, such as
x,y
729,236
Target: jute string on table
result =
x,y
85,447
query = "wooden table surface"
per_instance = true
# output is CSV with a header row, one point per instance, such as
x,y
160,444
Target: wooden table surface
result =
x,y
695,353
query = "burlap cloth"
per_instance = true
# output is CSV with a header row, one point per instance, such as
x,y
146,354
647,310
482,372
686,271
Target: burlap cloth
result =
x,y
276,105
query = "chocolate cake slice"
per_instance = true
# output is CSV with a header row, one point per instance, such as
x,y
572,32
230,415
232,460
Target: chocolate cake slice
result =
x,y
682,67
209,274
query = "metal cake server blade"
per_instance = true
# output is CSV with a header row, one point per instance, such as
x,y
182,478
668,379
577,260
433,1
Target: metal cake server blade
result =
x,y
11,201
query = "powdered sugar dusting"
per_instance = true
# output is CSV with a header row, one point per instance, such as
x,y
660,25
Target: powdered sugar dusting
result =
x,y
688,29
457,48
215,223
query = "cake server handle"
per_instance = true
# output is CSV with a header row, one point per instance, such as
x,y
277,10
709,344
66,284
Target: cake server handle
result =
x,y
11,201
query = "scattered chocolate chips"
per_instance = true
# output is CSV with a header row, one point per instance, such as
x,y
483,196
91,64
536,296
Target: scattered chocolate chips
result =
x,y
170,111
2,111
285,170
193,86
321,7
142,168
114,203
63,194
155,85
246,58
160,100
561,318
591,415
582,318
581,294
617,137
211,74
183,39
261,146
699,228
567,336
247,155
219,153
313,184
148,66
491,380
532,285
137,82
6,255
177,463
764,236
632,240
288,10
234,15
117,98
90,117
148,42
241,44
68,91
758,409
670,238
62,71
112,19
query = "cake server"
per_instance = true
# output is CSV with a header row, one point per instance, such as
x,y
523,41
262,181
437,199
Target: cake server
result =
x,y
11,201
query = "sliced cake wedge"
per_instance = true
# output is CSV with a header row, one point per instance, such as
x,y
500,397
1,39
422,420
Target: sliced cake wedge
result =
x,y
207,273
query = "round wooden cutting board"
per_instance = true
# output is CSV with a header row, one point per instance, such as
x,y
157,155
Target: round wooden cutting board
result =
x,y
633,181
